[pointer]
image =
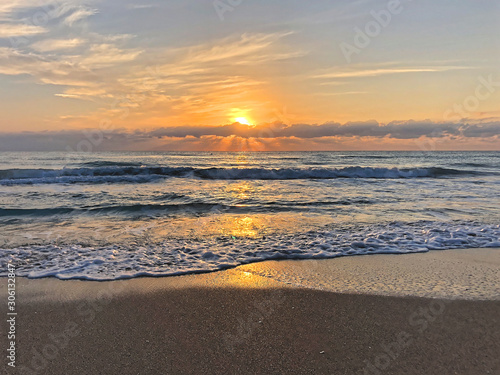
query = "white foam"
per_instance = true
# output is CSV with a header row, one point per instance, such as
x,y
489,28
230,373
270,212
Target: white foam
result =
x,y
176,257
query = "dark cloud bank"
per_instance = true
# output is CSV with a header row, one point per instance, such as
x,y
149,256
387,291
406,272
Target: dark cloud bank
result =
x,y
397,130
116,139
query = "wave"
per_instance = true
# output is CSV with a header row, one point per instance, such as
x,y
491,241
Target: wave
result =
x,y
183,256
134,208
362,156
110,174
105,163
322,173
131,174
184,208
475,165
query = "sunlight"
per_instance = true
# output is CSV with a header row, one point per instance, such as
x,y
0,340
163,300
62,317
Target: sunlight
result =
x,y
242,120
242,191
246,227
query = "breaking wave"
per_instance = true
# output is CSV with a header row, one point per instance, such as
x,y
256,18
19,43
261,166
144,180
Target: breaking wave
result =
x,y
136,174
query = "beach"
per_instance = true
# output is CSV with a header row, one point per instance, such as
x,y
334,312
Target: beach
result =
x,y
249,187
246,321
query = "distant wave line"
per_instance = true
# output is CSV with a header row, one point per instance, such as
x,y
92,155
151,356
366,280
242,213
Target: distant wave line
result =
x,y
147,174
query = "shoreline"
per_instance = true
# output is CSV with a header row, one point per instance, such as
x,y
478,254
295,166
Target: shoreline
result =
x,y
449,274
243,321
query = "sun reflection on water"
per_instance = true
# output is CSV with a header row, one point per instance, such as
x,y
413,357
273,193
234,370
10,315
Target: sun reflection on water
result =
x,y
246,227
241,190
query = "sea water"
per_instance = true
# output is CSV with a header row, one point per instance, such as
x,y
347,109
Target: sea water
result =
x,y
105,216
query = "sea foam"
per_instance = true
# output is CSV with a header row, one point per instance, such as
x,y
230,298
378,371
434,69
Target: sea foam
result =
x,y
177,257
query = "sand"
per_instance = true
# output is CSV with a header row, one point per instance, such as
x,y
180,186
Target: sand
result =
x,y
244,321
464,274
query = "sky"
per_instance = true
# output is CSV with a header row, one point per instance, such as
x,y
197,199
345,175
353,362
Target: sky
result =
x,y
256,75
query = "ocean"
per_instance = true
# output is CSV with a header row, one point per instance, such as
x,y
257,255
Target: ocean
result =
x,y
108,216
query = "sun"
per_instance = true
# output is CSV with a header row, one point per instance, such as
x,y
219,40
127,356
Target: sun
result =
x,y
242,120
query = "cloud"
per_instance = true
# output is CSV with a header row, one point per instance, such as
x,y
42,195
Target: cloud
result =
x,y
199,79
246,46
8,7
52,9
353,135
484,130
202,80
386,71
106,55
139,6
49,45
397,130
83,93
8,30
72,70
79,14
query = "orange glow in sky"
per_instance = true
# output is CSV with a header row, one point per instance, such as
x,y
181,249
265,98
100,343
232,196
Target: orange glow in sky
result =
x,y
287,68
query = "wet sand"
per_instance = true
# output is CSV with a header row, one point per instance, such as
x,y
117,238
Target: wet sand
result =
x,y
244,321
